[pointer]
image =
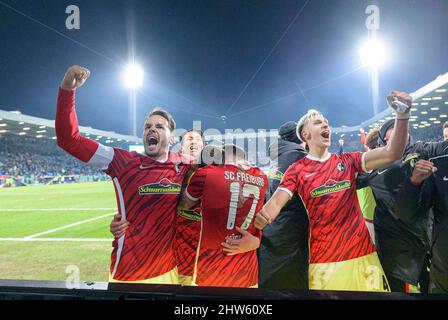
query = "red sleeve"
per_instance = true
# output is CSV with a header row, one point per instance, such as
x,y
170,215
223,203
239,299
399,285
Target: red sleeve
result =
x,y
195,186
67,131
363,138
289,181
355,160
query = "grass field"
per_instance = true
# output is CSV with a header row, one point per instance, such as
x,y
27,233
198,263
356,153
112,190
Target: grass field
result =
x,y
45,229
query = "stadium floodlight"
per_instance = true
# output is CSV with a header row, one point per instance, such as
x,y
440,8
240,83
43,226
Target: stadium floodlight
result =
x,y
372,53
133,76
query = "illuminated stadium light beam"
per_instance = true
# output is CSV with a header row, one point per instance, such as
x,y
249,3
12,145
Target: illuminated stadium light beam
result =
x,y
133,79
133,76
372,53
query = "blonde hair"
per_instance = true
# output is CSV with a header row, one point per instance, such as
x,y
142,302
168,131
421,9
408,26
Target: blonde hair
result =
x,y
304,120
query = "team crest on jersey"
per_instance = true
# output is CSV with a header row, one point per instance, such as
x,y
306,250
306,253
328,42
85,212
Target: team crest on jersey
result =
x,y
341,166
331,186
164,186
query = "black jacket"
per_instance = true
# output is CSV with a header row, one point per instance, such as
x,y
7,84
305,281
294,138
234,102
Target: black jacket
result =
x,y
401,246
283,253
413,203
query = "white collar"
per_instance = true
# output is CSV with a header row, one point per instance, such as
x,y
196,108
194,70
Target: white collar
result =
x,y
319,159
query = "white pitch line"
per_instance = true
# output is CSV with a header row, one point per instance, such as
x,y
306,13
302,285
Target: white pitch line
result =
x,y
59,209
57,239
69,226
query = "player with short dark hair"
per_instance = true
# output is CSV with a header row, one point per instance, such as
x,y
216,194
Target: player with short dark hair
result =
x,y
229,195
188,222
147,187
342,254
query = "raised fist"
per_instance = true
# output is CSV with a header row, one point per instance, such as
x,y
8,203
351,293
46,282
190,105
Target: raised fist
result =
x,y
401,102
75,77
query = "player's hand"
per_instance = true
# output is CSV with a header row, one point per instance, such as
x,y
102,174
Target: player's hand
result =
x,y
361,130
118,227
423,169
401,102
75,77
341,142
247,242
262,219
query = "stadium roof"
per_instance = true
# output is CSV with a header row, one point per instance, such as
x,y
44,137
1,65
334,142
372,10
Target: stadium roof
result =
x,y
430,108
14,122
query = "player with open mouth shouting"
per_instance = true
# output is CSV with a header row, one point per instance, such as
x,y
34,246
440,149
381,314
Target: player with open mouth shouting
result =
x,y
342,254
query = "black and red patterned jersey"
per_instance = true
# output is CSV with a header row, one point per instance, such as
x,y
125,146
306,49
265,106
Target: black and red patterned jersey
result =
x,y
230,196
147,194
188,229
337,231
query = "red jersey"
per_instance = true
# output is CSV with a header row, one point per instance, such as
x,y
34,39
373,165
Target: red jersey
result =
x,y
147,194
230,197
188,229
337,231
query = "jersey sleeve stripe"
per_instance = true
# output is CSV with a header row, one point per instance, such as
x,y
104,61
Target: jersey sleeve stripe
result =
x,y
363,163
189,196
286,190
123,217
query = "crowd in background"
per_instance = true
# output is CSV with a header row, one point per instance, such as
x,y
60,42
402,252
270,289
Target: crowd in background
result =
x,y
25,160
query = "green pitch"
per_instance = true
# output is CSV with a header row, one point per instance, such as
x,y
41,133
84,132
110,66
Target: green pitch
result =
x,y
45,229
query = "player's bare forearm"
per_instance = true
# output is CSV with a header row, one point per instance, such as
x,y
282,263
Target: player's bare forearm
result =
x,y
393,151
271,209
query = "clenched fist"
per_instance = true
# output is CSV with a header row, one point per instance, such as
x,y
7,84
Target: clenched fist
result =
x,y
423,169
262,219
401,102
75,77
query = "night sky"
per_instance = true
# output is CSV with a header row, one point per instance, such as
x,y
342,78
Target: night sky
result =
x,y
199,55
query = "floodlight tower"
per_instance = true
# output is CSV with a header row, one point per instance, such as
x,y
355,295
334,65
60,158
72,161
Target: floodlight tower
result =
x,y
133,79
373,53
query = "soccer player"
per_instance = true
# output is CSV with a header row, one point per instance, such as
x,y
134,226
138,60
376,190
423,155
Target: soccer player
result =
x,y
403,248
283,253
147,187
230,195
428,188
342,254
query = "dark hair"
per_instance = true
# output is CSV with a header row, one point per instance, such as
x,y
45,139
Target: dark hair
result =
x,y
445,125
165,114
383,130
235,151
181,137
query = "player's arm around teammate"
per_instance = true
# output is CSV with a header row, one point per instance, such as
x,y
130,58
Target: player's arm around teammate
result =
x,y
247,242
